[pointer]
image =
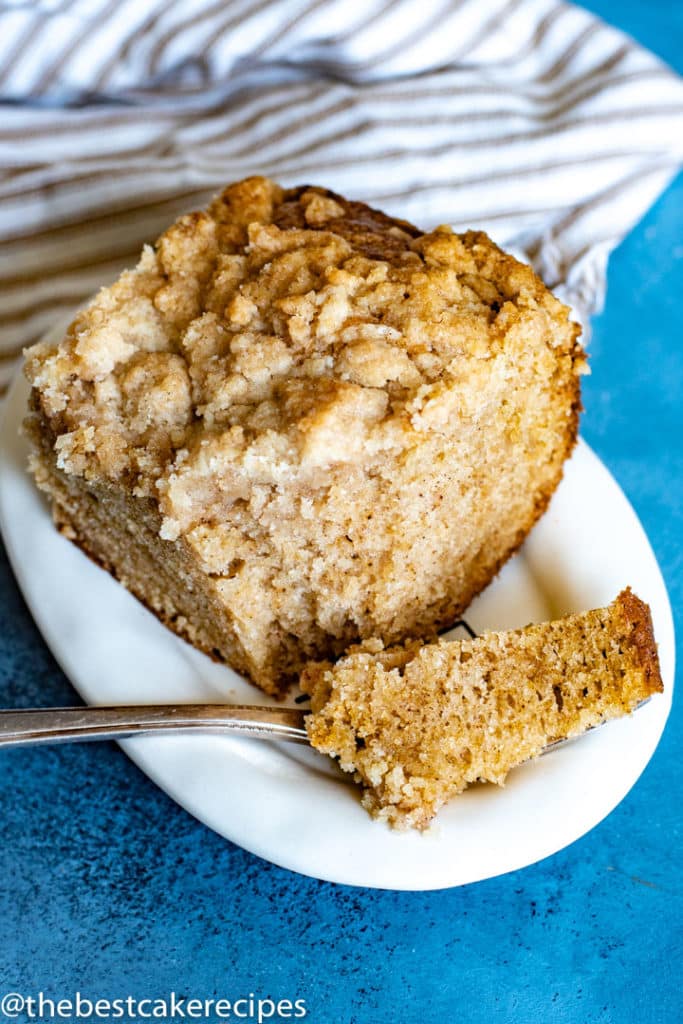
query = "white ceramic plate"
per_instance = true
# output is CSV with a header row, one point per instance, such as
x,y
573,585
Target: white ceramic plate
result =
x,y
292,806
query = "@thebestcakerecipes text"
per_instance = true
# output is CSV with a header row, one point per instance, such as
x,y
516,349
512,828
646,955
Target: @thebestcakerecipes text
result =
x,y
171,1007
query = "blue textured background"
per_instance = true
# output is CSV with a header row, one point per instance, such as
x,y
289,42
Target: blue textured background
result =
x,y
109,887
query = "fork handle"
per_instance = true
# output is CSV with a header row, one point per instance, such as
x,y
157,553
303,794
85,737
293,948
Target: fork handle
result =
x,y
65,725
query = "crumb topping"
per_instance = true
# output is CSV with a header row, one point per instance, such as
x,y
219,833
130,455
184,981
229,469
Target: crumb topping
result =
x,y
275,335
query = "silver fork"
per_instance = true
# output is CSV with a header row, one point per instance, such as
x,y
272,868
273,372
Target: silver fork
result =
x,y
65,725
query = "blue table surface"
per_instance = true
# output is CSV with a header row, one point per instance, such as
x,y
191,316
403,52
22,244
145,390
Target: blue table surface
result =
x,y
109,887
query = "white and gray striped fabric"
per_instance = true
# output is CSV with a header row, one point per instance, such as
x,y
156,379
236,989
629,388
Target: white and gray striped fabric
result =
x,y
530,119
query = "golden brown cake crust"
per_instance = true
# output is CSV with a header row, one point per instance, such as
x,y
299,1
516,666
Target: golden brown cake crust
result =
x,y
349,425
370,231
644,648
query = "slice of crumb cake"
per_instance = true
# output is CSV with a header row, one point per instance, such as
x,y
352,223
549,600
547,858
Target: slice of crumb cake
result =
x,y
299,422
417,724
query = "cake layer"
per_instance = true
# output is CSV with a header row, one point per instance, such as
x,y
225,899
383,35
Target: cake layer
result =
x,y
121,534
419,723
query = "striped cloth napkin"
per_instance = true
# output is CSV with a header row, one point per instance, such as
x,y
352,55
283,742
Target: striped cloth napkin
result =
x,y
530,119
